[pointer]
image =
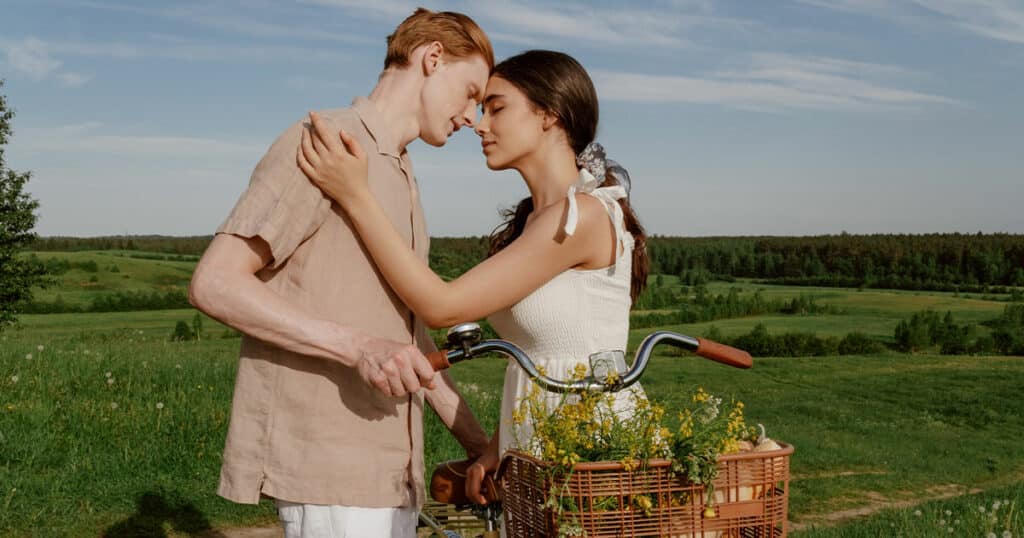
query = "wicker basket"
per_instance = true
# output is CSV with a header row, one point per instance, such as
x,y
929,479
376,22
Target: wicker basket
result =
x,y
751,494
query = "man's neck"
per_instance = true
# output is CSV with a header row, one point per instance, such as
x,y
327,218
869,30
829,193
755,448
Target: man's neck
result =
x,y
396,97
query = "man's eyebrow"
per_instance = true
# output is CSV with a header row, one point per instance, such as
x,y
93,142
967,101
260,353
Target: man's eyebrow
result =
x,y
477,92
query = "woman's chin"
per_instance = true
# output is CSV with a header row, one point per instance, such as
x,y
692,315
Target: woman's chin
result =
x,y
495,164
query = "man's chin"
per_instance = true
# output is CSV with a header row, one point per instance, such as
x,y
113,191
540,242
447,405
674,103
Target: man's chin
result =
x,y
437,142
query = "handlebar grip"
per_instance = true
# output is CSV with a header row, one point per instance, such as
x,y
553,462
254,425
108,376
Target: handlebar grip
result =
x,y
439,360
728,355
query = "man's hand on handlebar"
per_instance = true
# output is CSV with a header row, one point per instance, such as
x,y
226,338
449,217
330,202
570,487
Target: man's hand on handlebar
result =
x,y
394,368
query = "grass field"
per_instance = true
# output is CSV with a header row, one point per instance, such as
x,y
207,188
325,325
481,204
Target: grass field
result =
x,y
107,427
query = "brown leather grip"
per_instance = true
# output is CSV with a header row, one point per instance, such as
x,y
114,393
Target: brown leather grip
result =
x,y
728,355
448,484
439,360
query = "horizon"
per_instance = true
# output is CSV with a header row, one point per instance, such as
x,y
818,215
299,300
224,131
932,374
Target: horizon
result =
x,y
799,118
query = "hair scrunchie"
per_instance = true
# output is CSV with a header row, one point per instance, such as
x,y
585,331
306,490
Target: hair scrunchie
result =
x,y
594,160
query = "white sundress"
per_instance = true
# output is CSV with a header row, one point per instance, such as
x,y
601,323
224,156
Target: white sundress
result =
x,y
575,314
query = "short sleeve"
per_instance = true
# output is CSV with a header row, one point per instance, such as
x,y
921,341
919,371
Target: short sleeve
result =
x,y
280,206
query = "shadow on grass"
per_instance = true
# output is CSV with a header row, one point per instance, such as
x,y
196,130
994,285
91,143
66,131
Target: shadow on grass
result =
x,y
154,514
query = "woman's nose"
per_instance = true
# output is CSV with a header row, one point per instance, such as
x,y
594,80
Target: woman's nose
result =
x,y
482,127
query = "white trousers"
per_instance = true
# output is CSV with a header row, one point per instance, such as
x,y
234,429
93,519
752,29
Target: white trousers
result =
x,y
322,521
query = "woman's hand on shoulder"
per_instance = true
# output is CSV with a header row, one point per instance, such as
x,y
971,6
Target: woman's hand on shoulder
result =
x,y
336,163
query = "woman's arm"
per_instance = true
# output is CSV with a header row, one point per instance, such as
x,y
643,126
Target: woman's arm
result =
x,y
542,252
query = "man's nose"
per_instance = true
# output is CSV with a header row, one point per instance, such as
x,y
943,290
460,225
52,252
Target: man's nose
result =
x,y
469,115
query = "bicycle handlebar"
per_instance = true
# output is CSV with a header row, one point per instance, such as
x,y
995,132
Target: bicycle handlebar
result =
x,y
466,344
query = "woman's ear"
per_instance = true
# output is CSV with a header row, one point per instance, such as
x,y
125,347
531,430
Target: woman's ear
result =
x,y
549,120
433,57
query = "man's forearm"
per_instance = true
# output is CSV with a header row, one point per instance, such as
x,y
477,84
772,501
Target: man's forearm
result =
x,y
245,303
456,415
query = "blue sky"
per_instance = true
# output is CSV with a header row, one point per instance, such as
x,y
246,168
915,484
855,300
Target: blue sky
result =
x,y
734,118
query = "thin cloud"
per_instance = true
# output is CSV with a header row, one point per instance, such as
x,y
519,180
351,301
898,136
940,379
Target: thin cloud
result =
x,y
207,16
93,139
774,82
32,57
177,48
994,19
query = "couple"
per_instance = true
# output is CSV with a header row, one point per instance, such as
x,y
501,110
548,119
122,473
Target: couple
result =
x,y
322,265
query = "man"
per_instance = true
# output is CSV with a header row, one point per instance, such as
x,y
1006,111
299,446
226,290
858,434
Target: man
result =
x,y
327,410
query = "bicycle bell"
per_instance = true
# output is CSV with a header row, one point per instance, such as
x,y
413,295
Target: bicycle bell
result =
x,y
464,336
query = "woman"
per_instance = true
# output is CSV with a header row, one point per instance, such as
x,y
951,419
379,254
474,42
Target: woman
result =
x,y
562,271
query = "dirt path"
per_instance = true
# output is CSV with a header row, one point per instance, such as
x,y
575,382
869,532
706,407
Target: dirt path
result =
x,y
876,502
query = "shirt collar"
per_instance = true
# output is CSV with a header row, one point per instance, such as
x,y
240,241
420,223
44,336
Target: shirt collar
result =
x,y
377,125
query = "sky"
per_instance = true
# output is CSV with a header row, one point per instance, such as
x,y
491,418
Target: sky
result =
x,y
788,117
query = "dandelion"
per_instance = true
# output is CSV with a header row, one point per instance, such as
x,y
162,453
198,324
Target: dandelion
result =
x,y
110,381
1007,534
949,512
995,506
113,405
178,366
40,348
951,530
14,379
981,509
917,513
942,522
108,374
85,351
991,535
159,405
28,356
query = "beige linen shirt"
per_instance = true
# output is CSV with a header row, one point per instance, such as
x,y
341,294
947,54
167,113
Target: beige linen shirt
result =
x,y
305,429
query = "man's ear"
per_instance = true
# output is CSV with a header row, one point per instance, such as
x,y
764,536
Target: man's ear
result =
x,y
433,57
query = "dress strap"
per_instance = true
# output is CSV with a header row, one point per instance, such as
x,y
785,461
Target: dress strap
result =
x,y
609,197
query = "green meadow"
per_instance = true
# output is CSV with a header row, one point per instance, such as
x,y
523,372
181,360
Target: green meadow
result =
x,y
108,428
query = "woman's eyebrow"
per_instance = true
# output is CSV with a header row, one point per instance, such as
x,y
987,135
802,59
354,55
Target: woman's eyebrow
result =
x,y
491,97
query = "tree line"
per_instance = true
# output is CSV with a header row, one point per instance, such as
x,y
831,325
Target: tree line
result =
x,y
944,262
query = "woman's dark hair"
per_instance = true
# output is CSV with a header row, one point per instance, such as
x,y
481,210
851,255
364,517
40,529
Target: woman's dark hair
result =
x,y
557,83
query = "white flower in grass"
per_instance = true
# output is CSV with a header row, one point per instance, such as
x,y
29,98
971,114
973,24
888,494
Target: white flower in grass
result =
x,y
159,405
108,374
917,513
1007,534
991,535
113,405
942,522
40,347
28,356
981,509
951,530
178,366
995,506
85,351
14,379
110,381
949,512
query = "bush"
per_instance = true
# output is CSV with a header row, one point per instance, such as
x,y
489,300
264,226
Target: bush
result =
x,y
858,343
182,332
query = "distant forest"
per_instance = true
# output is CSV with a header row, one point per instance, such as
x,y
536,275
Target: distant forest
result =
x,y
964,262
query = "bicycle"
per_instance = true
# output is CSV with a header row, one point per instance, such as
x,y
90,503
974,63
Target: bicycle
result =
x,y
465,342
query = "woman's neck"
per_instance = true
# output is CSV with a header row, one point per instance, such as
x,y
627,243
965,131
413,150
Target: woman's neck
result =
x,y
549,173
